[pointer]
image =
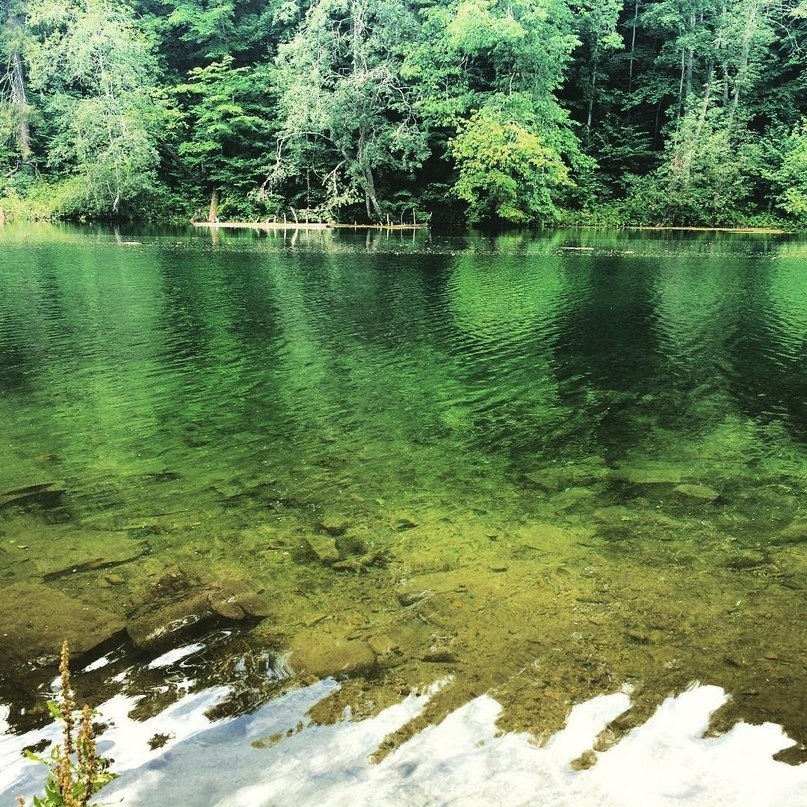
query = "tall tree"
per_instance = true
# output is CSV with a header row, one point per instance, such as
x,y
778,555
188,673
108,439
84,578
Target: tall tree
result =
x,y
489,70
226,128
15,109
96,74
340,85
597,21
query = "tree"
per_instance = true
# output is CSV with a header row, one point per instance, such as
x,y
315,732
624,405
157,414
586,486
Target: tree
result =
x,y
696,184
489,71
226,120
597,21
790,176
15,110
96,77
343,103
506,171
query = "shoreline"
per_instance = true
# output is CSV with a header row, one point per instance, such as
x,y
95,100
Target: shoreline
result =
x,y
289,225
270,225
752,230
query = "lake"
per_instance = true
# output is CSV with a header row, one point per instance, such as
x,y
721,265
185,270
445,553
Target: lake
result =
x,y
542,466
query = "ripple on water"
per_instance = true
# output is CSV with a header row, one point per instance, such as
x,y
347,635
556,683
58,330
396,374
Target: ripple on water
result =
x,y
511,425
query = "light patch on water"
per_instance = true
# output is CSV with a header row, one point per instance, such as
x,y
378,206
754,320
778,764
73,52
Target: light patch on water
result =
x,y
125,741
277,755
172,656
466,760
97,664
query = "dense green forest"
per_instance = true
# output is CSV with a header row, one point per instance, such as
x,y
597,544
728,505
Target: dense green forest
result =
x,y
525,111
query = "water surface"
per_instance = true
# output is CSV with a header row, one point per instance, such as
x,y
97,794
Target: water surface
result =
x,y
545,465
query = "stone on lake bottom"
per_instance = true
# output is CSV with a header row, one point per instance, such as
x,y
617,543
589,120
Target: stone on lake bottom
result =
x,y
35,619
700,492
795,533
321,654
324,547
177,603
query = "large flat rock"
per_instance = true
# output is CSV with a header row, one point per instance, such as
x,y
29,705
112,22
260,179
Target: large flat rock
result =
x,y
320,654
35,619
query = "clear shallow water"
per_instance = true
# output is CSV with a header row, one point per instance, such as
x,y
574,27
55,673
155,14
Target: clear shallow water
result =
x,y
584,452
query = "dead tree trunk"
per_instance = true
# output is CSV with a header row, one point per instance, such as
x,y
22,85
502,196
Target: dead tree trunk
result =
x,y
370,198
213,212
16,80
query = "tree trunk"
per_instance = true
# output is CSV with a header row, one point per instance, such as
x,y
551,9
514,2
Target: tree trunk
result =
x,y
213,212
690,58
20,103
593,91
370,198
742,68
633,44
16,79
692,146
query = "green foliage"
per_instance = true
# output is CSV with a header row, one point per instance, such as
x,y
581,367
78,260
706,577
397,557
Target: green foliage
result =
x,y
94,74
345,110
225,119
472,50
696,184
210,23
506,170
523,110
791,174
489,71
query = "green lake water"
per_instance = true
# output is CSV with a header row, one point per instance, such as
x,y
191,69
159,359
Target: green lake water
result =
x,y
546,465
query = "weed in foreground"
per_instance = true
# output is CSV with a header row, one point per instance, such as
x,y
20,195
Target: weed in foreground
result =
x,y
76,772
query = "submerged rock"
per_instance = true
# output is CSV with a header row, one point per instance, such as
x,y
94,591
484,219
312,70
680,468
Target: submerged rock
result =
x,y
571,498
699,492
178,602
649,475
90,555
374,557
618,522
323,547
540,535
555,478
615,515
44,494
795,533
547,479
35,619
439,654
747,559
387,650
320,654
334,526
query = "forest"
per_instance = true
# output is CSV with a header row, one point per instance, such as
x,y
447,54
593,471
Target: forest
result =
x,y
616,112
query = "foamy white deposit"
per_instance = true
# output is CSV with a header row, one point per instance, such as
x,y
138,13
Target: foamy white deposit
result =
x,y
464,760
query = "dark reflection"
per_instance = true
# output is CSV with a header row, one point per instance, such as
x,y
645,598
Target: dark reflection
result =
x,y
769,353
608,352
534,347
